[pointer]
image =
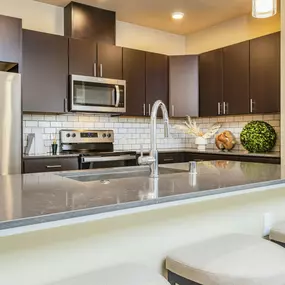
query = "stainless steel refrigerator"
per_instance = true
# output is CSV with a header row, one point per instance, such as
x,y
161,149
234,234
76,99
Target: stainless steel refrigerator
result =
x,y
10,123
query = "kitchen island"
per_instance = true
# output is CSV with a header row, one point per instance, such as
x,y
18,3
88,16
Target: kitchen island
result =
x,y
66,197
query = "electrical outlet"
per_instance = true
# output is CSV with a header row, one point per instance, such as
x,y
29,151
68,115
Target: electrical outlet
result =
x,y
268,220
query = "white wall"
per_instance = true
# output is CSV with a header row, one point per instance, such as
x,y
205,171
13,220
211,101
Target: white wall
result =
x,y
231,32
36,16
47,18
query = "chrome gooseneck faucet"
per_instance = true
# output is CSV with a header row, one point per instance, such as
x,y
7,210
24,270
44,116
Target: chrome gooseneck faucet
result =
x,y
152,159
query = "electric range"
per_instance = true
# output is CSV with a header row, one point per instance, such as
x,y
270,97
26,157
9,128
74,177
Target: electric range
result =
x,y
95,149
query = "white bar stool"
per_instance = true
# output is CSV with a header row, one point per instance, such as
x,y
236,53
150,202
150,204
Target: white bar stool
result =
x,y
231,259
277,234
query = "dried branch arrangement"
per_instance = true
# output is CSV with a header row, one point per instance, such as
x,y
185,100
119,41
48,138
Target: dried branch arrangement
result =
x,y
190,127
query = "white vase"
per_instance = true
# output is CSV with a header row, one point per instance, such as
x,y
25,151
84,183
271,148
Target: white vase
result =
x,y
201,143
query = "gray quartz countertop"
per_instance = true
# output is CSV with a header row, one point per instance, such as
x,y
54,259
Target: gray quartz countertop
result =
x,y
45,197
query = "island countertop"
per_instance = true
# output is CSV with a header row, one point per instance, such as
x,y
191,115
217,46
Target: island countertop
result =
x,y
31,199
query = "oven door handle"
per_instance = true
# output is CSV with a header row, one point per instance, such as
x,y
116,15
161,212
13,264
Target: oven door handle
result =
x,y
118,95
107,158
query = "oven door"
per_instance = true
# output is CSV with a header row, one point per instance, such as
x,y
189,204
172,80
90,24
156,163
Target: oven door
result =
x,y
95,162
100,95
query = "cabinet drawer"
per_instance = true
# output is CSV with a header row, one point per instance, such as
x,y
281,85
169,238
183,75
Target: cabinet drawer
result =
x,y
164,158
50,164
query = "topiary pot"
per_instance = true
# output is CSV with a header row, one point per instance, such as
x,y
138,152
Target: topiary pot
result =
x,y
258,136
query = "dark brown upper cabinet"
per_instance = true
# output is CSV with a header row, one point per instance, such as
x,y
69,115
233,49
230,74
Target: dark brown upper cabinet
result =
x,y
110,61
11,35
45,72
87,22
265,74
156,79
83,57
134,73
211,83
184,86
91,59
236,79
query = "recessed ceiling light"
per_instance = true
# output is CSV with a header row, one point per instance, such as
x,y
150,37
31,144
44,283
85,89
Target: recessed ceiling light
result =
x,y
177,15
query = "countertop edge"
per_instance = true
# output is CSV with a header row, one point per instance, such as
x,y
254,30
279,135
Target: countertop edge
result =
x,y
11,228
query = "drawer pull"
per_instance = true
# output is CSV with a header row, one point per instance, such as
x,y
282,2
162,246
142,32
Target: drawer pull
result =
x,y
168,159
53,166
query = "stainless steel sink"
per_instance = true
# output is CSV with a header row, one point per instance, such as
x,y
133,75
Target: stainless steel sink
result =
x,y
116,173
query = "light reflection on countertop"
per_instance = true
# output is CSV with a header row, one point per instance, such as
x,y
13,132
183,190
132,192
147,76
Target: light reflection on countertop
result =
x,y
37,198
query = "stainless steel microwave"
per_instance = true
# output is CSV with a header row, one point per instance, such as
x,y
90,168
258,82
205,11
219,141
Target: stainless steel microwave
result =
x,y
98,95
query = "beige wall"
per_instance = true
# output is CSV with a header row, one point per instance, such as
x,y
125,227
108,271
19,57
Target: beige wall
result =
x,y
231,32
138,37
47,18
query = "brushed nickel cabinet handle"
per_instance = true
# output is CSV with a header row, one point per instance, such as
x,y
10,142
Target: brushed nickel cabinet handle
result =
x,y
168,159
149,112
95,69
144,109
101,70
224,108
53,166
173,110
219,108
252,103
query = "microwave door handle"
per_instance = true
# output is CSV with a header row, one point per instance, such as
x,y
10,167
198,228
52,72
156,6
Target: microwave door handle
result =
x,y
118,95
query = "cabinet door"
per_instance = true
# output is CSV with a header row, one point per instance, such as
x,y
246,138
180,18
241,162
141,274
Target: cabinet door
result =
x,y
87,22
184,86
11,35
110,61
50,164
45,72
265,73
156,79
82,57
134,74
236,79
211,83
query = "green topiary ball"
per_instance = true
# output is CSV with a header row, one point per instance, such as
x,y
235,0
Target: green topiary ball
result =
x,y
258,136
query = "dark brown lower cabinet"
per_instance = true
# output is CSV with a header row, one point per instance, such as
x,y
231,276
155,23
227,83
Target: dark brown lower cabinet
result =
x,y
177,157
45,72
134,74
50,164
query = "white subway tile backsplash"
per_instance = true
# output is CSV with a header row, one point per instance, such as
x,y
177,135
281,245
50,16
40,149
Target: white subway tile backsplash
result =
x,y
50,130
44,124
32,124
130,133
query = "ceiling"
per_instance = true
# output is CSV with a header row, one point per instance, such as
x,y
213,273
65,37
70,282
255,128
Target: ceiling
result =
x,y
199,14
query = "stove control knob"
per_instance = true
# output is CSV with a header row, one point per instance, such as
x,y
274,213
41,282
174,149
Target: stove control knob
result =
x,y
68,135
104,135
109,135
74,135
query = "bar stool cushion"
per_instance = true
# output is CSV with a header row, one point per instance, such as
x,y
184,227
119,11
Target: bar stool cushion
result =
x,y
277,233
124,274
230,260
